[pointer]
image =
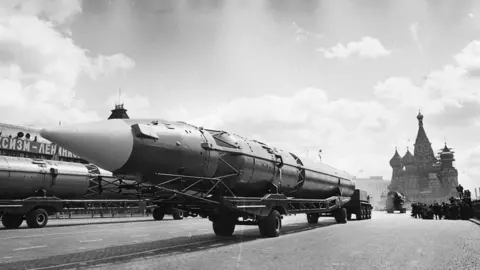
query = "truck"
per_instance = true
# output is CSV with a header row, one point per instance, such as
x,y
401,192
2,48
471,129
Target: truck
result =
x,y
359,205
395,202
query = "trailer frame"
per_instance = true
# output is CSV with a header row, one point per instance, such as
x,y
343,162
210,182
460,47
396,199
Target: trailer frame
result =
x,y
35,210
225,211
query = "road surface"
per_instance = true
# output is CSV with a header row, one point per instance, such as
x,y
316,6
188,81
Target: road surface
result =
x,y
387,241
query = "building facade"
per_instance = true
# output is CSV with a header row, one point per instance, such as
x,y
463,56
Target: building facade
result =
x,y
376,187
421,176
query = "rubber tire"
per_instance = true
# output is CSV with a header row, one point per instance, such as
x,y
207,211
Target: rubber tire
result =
x,y
177,215
11,221
224,225
313,218
341,215
358,214
158,213
37,218
349,215
271,225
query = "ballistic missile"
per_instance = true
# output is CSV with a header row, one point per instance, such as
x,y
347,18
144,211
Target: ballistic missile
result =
x,y
25,177
155,150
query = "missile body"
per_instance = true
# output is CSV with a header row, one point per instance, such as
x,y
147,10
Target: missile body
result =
x,y
25,177
147,149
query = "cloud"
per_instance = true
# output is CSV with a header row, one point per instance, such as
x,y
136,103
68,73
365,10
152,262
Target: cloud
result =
x,y
448,87
469,57
414,32
106,65
307,121
43,65
367,47
302,35
55,11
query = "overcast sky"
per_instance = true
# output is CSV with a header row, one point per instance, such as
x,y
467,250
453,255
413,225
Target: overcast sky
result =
x,y
347,77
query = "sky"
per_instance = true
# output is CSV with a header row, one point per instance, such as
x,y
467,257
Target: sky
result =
x,y
347,77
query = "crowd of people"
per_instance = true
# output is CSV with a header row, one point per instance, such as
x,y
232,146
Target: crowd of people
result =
x,y
458,208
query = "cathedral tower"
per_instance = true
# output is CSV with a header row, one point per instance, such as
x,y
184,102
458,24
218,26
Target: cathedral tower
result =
x,y
448,175
423,152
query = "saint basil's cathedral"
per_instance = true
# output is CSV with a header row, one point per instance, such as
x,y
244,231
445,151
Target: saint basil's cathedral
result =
x,y
421,176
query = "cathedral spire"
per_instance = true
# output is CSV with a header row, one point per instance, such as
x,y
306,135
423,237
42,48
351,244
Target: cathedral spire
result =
x,y
423,151
421,134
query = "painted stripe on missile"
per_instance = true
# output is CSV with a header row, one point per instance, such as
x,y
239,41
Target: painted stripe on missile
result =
x,y
25,248
251,206
11,206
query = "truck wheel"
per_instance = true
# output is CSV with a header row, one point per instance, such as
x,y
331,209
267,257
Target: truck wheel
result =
x,y
177,215
271,225
37,218
349,215
341,215
312,218
158,213
358,214
369,213
12,221
224,225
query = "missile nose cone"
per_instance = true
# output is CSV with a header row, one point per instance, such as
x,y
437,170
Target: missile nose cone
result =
x,y
107,144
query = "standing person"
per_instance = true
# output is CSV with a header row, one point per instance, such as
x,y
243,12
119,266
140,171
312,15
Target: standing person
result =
x,y
436,210
460,191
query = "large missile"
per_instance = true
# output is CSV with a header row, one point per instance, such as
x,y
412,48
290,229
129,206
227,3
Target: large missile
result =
x,y
25,177
155,150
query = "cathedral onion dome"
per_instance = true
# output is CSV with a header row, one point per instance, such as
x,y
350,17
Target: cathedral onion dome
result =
x,y
396,160
420,116
408,159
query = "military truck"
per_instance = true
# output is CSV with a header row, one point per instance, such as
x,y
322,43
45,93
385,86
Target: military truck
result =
x,y
395,202
359,205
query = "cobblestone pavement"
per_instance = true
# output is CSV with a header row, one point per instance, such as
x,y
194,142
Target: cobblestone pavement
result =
x,y
387,241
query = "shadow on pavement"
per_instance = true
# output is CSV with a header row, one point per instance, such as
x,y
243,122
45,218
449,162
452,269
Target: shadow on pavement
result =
x,y
164,247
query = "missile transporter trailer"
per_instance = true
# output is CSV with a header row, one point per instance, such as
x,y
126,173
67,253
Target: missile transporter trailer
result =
x,y
33,189
395,202
359,205
213,173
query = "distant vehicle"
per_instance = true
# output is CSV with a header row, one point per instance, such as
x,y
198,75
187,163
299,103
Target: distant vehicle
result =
x,y
395,202
359,205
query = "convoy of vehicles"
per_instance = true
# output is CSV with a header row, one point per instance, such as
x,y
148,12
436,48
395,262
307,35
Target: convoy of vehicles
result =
x,y
215,174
